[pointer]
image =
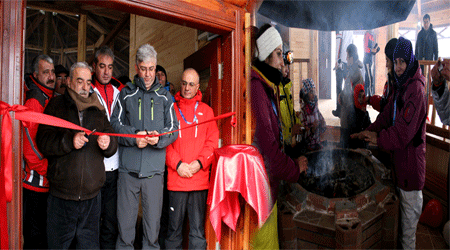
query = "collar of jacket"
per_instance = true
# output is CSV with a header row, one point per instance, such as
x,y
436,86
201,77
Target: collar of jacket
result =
x,y
47,91
114,82
268,72
181,101
81,102
139,82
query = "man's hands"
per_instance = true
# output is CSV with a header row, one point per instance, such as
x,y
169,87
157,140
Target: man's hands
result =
x,y
188,170
103,141
79,140
439,76
142,142
366,135
302,163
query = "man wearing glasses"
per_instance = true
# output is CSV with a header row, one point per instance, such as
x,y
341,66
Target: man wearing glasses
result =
x,y
144,108
61,79
188,162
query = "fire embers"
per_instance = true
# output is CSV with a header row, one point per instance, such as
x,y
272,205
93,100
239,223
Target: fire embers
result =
x,y
336,174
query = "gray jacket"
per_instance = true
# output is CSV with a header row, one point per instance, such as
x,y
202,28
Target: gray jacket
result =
x,y
441,100
139,109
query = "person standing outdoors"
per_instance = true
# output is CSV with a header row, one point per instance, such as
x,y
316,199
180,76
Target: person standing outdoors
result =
x,y
189,159
108,95
75,163
370,50
400,128
343,40
35,183
144,108
427,44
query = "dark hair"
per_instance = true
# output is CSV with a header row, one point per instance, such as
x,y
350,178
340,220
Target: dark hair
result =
x,y
39,58
426,17
104,50
353,52
160,68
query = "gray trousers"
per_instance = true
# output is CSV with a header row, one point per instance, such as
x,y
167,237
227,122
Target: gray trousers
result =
x,y
128,190
195,204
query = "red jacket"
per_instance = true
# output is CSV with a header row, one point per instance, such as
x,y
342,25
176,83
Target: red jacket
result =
x,y
35,174
197,143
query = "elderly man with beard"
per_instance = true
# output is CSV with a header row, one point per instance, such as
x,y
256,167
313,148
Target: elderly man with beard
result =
x,y
41,85
76,171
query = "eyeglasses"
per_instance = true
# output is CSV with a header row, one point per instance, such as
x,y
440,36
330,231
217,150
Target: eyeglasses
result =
x,y
61,78
191,84
145,69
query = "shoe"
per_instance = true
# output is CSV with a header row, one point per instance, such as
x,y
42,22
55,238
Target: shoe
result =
x,y
336,113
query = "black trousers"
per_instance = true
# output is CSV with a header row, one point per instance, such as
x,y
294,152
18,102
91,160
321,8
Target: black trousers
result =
x,y
34,219
68,220
195,204
108,216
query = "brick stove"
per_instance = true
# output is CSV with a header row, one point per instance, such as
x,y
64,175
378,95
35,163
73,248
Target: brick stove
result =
x,y
322,216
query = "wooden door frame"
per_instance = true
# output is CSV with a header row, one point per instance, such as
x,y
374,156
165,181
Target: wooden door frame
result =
x,y
214,16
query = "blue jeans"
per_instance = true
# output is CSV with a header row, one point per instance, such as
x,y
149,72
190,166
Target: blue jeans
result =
x,y
68,220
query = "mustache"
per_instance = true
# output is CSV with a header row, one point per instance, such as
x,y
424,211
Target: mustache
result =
x,y
83,92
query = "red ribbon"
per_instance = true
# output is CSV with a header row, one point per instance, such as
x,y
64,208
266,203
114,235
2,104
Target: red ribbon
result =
x,y
24,114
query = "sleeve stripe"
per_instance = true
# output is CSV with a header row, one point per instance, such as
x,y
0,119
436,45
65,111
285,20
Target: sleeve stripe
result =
x,y
32,145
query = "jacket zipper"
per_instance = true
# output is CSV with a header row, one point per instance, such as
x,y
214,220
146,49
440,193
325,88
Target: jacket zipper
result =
x,y
152,108
140,110
82,172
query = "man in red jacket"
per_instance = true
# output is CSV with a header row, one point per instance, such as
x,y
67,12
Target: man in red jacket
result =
x,y
188,161
40,88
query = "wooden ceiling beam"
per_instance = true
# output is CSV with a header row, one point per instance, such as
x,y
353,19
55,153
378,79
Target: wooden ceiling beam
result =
x,y
71,50
58,35
122,23
65,7
92,22
33,26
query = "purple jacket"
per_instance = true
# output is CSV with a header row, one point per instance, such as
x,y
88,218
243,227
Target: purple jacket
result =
x,y
409,158
279,166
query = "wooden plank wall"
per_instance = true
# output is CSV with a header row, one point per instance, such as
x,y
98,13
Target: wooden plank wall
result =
x,y
304,44
172,42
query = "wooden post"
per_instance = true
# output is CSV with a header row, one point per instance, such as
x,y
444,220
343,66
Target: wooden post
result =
x,y
48,33
81,52
11,85
248,56
132,55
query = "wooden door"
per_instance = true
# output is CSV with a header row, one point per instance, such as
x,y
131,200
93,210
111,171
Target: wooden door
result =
x,y
325,67
206,62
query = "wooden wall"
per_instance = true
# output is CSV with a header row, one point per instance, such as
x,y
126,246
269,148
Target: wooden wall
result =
x,y
172,42
304,44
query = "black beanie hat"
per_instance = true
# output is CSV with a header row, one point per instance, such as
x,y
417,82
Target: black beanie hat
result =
x,y
390,47
160,68
61,69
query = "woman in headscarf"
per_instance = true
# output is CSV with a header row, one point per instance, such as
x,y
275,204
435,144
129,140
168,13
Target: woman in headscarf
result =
x,y
266,78
379,102
311,117
400,128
